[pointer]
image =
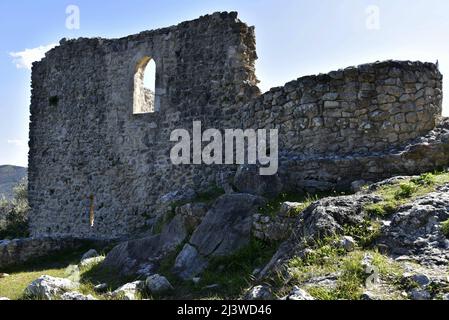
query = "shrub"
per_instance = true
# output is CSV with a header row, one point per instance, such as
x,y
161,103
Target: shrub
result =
x,y
445,228
426,179
406,190
15,214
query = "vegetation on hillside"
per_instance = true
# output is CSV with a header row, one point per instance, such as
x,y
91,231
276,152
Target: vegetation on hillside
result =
x,y
14,213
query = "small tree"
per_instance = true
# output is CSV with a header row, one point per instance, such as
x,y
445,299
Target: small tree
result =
x,y
14,213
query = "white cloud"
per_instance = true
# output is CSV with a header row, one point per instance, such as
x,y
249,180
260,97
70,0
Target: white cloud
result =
x,y
24,59
18,143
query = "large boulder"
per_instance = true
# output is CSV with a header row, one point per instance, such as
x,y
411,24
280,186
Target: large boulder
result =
x,y
189,263
227,225
157,284
49,288
128,291
261,292
225,229
131,256
92,253
74,295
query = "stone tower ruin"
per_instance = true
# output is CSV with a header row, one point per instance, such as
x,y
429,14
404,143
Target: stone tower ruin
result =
x,y
99,143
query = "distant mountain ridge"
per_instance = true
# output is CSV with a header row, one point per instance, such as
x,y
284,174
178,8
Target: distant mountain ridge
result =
x,y
10,176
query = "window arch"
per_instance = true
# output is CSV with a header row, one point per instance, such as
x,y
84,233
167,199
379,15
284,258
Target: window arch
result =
x,y
144,98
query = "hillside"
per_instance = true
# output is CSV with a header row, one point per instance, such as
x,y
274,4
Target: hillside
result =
x,y
9,177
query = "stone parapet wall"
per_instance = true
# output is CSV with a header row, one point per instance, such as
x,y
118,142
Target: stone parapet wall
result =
x,y
19,251
368,108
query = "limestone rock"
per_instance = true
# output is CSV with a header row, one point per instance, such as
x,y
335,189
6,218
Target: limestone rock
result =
x,y
225,229
414,230
100,288
158,284
91,261
189,263
92,253
227,225
131,256
299,294
348,243
128,291
49,288
419,294
326,217
73,295
260,292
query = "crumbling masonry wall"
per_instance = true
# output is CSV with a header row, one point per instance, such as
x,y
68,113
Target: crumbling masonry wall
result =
x,y
88,149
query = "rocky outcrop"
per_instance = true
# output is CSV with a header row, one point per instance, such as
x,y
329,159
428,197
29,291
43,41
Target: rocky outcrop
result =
x,y
412,238
415,229
323,218
76,296
128,291
225,229
157,284
49,288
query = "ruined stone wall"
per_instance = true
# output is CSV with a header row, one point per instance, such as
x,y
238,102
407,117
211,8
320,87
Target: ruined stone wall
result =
x,y
369,108
89,151
85,141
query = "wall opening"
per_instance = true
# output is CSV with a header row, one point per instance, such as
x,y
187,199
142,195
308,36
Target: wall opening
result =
x,y
144,99
92,210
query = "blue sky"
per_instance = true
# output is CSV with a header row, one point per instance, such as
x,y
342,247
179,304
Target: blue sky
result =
x,y
294,38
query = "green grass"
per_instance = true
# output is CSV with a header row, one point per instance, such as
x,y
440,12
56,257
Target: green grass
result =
x,y
398,194
56,265
273,206
365,233
232,273
445,228
350,283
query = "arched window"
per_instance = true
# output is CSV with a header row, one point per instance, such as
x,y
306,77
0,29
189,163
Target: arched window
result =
x,y
144,86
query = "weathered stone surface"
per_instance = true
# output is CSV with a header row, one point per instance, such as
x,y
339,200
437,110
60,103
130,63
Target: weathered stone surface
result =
x,y
323,218
260,292
131,256
348,243
225,229
415,229
277,228
49,288
299,294
158,284
92,253
76,296
189,263
100,288
192,213
91,261
248,180
18,251
227,225
128,291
